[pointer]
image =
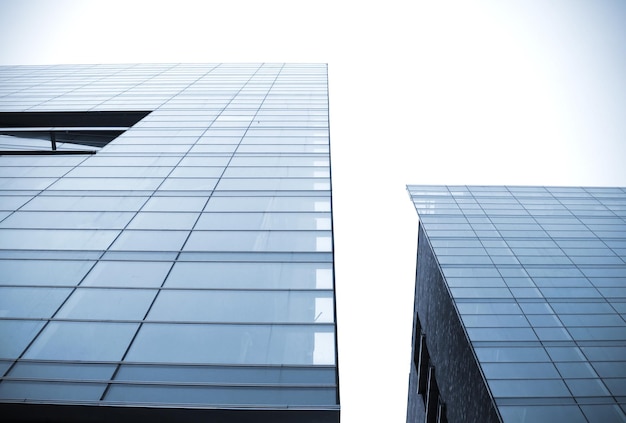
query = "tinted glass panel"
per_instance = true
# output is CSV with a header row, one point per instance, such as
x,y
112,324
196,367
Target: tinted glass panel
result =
x,y
221,395
68,220
227,374
319,221
237,306
76,371
542,414
150,240
107,304
31,302
251,275
232,344
20,390
39,239
16,335
85,203
258,241
42,272
88,341
156,220
128,274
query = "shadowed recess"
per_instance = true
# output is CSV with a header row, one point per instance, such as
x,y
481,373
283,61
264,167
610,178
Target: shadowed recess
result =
x,y
63,132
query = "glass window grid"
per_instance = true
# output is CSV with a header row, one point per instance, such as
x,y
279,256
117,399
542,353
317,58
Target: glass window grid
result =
x,y
116,195
606,327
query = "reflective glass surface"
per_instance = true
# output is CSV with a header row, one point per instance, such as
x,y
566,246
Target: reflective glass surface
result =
x,y
200,238
537,275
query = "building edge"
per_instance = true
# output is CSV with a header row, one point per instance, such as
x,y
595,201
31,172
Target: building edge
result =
x,y
445,374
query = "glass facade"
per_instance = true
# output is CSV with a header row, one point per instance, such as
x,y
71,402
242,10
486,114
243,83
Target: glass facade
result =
x,y
188,263
536,277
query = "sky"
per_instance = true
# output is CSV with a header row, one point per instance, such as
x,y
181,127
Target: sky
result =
x,y
517,92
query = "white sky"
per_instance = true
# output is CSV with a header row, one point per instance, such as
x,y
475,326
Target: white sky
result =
x,y
441,92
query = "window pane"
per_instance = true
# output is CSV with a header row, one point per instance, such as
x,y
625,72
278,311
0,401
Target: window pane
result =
x,y
587,388
276,172
73,371
16,335
31,302
37,184
542,414
104,184
604,413
119,171
197,172
150,240
68,220
251,275
250,204
222,395
128,274
42,272
511,354
88,341
311,221
520,371
226,374
529,388
189,204
107,304
288,184
501,334
80,203
242,306
39,239
10,389
13,202
259,241
576,370
233,344
188,184
154,220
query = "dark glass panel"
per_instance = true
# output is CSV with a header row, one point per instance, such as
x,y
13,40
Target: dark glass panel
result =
x,y
226,374
23,390
221,395
73,371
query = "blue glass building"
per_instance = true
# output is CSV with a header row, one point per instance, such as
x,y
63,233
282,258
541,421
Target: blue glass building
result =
x,y
520,305
166,246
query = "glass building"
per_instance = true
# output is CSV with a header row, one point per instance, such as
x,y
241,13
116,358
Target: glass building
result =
x,y
520,305
166,246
